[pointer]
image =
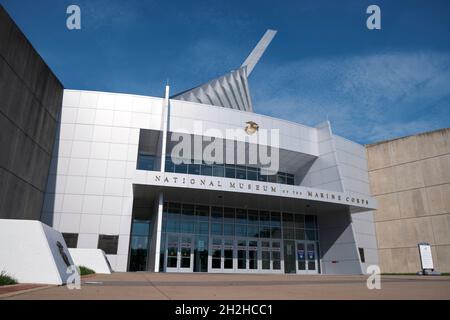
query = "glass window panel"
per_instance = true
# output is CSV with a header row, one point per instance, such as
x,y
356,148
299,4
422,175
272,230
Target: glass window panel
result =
x,y
216,214
186,227
216,228
194,169
216,263
216,252
241,172
310,234
108,243
181,168
146,162
253,231
265,261
290,180
140,228
228,215
275,219
185,262
201,254
272,178
241,230
300,234
206,170
218,171
264,218
71,239
228,263
170,167
242,262
288,233
241,216
276,255
276,265
172,226
228,229
138,253
230,171
252,174
288,220
276,233
310,222
262,177
202,228
253,217
311,265
187,210
202,213
264,232
171,262
299,220
281,178
174,211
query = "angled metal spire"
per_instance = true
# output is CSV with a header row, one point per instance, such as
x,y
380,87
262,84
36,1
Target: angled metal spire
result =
x,y
259,50
230,90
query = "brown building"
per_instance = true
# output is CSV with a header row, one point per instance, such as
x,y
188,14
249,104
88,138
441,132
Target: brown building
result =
x,y
410,178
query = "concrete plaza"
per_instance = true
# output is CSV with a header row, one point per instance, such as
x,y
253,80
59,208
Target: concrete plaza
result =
x,y
165,286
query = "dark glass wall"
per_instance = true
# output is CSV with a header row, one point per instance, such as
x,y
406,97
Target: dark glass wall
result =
x,y
148,162
139,244
204,222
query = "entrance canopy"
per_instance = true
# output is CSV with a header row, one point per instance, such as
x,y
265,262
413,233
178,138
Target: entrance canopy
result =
x,y
145,195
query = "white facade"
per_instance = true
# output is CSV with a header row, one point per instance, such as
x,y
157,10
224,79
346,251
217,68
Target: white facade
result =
x,y
31,252
90,187
93,259
96,185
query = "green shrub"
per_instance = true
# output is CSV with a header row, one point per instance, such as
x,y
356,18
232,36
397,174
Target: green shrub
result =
x,y
6,280
85,271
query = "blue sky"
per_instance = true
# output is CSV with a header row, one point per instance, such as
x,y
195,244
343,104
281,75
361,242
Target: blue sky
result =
x,y
323,63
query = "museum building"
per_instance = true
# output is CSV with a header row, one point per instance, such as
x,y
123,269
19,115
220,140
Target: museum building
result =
x,y
118,181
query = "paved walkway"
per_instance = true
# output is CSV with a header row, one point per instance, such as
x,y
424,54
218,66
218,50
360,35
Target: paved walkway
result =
x,y
240,287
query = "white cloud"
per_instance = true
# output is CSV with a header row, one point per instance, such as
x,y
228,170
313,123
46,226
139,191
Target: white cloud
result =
x,y
366,98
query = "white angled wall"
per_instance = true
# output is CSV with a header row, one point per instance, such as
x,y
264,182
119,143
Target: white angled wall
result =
x,y
89,190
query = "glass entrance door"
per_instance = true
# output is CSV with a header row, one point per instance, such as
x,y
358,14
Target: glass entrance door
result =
x,y
222,255
289,256
179,253
307,261
247,254
270,256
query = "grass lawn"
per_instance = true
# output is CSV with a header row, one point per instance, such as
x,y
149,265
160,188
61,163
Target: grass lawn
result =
x,y
84,271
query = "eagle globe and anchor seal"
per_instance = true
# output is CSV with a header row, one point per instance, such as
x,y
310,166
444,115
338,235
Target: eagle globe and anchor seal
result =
x,y
251,127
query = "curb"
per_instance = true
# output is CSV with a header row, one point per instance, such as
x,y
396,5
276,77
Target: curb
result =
x,y
18,292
